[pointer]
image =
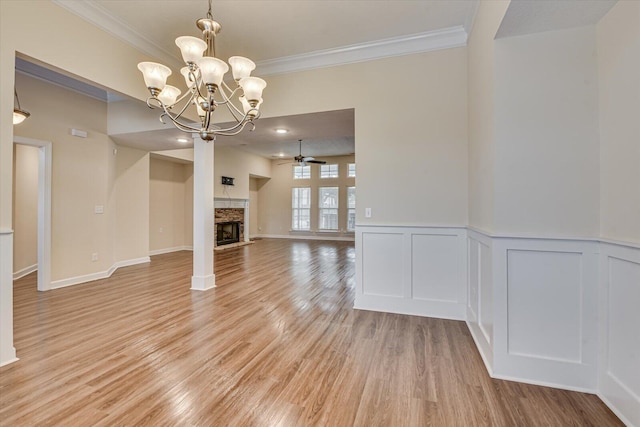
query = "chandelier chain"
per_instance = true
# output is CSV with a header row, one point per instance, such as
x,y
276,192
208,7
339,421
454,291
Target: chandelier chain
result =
x,y
209,14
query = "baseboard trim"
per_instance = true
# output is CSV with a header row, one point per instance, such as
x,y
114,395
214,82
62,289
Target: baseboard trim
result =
x,y
63,283
25,271
615,410
544,384
305,237
410,307
169,250
477,335
7,362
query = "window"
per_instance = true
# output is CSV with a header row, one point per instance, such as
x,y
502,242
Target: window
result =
x,y
328,204
351,205
301,172
328,171
352,170
301,208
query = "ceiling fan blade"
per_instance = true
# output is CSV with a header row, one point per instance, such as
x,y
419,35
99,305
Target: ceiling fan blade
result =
x,y
317,162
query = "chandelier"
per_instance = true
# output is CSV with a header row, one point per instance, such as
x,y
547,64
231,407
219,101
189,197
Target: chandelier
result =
x,y
19,115
206,89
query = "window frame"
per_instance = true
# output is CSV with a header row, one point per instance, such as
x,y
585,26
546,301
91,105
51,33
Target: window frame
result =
x,y
330,165
331,210
295,226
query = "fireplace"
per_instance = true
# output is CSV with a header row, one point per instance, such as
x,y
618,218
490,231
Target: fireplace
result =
x,y
227,233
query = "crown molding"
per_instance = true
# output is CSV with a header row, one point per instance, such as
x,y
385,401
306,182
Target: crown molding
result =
x,y
406,45
101,18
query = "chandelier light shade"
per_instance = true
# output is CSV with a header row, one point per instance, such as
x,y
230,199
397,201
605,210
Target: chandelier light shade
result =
x,y
206,88
19,115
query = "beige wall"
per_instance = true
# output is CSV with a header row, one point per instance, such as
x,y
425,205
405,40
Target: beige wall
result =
x,y
410,125
481,81
132,204
170,191
239,165
546,134
274,197
618,53
25,207
83,175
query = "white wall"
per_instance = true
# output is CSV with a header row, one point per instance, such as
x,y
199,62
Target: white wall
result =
x,y
481,81
25,210
618,54
546,134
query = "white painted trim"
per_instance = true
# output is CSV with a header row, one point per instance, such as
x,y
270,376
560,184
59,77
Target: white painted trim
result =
x,y
45,153
544,383
405,45
226,203
304,237
101,18
129,262
411,307
478,337
3,232
169,250
25,271
203,283
613,408
9,361
63,283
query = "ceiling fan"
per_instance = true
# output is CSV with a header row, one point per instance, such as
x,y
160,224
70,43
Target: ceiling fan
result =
x,y
304,160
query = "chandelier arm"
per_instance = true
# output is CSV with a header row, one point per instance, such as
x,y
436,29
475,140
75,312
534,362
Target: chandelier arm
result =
x,y
186,105
181,126
235,112
226,132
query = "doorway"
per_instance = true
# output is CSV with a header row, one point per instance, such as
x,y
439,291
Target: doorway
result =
x,y
44,209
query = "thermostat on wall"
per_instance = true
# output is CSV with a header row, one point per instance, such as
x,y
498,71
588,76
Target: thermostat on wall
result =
x,y
227,180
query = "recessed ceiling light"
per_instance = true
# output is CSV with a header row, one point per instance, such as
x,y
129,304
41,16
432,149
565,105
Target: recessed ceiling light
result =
x,y
281,155
183,140
281,130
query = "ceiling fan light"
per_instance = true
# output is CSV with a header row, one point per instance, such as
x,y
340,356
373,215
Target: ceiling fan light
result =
x,y
155,76
212,70
191,48
253,87
169,95
241,67
19,116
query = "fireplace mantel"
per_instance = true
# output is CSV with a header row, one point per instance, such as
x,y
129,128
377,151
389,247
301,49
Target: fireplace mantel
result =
x,y
226,203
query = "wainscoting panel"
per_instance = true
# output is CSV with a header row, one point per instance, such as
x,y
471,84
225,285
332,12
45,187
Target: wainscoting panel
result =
x,y
480,295
619,361
383,264
412,270
546,312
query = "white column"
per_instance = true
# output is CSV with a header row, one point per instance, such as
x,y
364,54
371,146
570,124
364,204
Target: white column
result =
x,y
246,220
203,215
7,350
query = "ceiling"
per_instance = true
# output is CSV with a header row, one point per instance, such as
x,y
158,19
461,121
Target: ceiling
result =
x,y
328,133
275,32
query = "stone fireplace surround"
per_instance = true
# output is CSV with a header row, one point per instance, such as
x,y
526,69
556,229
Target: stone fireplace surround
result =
x,y
228,210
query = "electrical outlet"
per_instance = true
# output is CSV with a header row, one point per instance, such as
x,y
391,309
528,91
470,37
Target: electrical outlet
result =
x,y
161,229
94,256
99,209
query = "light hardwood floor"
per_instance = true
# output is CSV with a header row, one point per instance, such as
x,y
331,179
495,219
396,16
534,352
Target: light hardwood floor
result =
x,y
276,343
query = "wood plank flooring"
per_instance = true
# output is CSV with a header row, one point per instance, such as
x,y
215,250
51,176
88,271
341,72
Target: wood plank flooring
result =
x,y
277,343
